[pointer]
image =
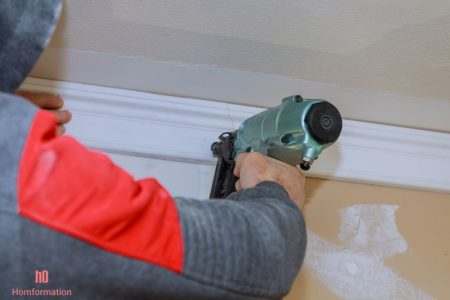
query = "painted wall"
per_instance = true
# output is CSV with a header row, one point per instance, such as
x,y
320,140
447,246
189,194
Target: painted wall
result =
x,y
373,242
365,241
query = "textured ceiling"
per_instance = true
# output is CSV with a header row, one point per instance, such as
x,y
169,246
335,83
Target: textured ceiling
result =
x,y
400,46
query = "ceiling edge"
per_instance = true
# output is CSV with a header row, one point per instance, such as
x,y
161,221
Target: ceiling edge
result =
x,y
241,87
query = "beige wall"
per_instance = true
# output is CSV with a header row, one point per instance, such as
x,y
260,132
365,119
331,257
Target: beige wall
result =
x,y
422,219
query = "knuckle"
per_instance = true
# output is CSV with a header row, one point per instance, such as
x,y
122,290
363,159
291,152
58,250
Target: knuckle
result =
x,y
259,177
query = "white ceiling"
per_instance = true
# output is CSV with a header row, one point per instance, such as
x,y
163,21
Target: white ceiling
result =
x,y
394,46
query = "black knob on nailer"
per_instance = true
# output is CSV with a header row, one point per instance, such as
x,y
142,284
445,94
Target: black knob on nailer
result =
x,y
304,165
324,122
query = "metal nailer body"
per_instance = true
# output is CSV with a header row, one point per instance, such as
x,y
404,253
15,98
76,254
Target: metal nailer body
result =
x,y
295,132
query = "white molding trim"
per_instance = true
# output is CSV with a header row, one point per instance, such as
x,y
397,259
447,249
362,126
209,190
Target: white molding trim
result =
x,y
175,128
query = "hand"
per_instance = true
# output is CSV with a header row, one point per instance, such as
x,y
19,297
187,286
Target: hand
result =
x,y
253,168
51,103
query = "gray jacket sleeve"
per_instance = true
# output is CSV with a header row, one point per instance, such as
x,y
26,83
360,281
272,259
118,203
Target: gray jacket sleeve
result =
x,y
252,243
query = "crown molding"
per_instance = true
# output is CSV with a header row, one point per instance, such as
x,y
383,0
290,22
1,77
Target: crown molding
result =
x,y
182,129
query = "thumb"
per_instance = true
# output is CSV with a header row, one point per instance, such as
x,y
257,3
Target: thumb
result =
x,y
237,186
238,165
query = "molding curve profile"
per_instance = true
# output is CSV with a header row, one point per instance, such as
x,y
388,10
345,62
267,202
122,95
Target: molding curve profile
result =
x,y
182,129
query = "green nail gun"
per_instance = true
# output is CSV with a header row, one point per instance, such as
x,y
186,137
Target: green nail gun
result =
x,y
295,132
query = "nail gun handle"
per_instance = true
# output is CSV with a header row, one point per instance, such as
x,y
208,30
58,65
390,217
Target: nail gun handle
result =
x,y
224,180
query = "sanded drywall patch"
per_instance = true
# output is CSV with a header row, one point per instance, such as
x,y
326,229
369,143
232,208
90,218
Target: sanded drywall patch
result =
x,y
355,269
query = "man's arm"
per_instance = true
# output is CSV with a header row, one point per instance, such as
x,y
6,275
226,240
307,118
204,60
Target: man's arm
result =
x,y
76,203
258,229
253,243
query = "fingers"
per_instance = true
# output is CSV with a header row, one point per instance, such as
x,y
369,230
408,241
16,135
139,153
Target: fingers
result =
x,y
237,185
43,100
51,103
60,130
62,116
238,165
247,159
253,168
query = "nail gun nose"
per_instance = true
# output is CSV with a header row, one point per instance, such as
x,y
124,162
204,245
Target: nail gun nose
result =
x,y
306,163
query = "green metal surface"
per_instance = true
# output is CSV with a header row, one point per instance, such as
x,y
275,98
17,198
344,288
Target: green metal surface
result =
x,y
281,133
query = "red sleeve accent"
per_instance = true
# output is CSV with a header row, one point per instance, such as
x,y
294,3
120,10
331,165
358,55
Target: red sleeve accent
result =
x,y
65,186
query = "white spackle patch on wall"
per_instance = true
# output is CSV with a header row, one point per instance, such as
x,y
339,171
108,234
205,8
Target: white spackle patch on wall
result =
x,y
355,269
